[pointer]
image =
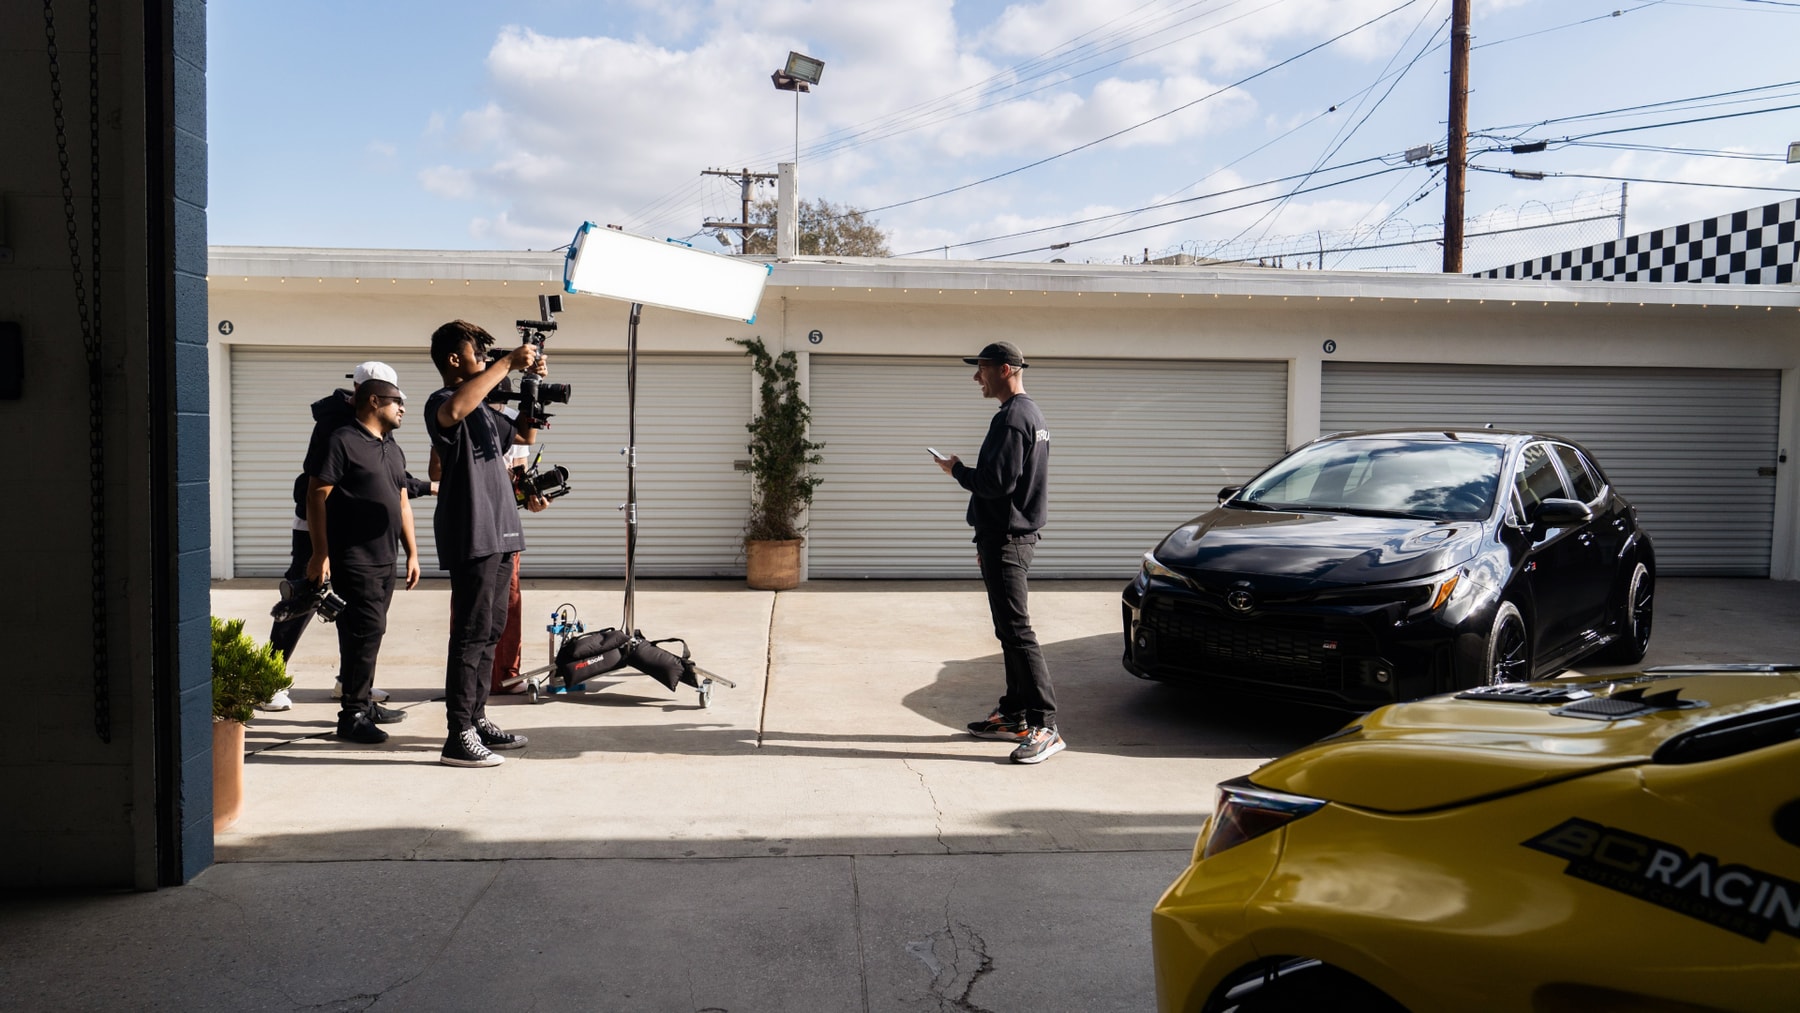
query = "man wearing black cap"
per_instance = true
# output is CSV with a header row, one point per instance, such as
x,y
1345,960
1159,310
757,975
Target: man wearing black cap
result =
x,y
357,510
1007,506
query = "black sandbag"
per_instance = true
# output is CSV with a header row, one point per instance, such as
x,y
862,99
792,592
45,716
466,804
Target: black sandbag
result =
x,y
586,655
669,669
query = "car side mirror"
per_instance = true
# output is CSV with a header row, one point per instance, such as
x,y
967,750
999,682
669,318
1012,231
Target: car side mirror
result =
x,y
1228,492
1561,513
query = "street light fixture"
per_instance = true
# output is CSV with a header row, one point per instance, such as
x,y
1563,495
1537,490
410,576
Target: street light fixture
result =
x,y
799,75
1794,152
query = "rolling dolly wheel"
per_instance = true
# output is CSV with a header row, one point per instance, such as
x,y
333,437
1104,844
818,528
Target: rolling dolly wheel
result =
x,y
706,688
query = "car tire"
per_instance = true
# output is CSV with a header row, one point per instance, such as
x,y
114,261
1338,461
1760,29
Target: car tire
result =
x,y
1508,651
1637,609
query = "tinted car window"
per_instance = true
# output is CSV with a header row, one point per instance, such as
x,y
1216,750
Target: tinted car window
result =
x,y
1414,478
1538,480
1585,486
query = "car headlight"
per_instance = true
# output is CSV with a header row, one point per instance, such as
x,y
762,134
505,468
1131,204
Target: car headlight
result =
x,y
1152,568
1416,597
1245,812
1441,590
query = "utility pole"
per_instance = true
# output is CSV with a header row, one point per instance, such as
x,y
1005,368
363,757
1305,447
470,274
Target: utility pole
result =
x,y
1458,150
744,226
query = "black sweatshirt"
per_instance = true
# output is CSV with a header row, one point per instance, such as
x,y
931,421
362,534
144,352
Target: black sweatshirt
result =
x,y
1008,485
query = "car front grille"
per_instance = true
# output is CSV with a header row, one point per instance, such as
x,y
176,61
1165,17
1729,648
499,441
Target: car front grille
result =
x,y
1292,650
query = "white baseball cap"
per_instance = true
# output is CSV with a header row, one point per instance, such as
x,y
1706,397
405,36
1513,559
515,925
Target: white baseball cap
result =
x,y
373,370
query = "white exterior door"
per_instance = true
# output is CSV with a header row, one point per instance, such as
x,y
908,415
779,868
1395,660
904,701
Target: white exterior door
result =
x,y
1137,447
1693,449
690,430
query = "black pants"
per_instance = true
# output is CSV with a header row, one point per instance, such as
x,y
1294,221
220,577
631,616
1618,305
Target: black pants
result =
x,y
1028,691
478,599
361,624
285,636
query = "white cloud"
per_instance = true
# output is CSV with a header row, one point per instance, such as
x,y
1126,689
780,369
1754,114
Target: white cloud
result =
x,y
446,181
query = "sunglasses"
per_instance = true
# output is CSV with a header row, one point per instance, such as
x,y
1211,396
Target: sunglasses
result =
x,y
388,399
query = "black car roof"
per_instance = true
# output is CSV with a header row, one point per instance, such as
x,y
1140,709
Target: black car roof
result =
x,y
1446,435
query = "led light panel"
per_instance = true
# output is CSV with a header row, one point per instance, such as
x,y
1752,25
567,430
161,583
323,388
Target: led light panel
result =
x,y
618,265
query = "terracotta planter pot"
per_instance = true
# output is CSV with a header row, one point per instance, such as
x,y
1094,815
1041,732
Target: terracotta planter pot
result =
x,y
772,566
228,773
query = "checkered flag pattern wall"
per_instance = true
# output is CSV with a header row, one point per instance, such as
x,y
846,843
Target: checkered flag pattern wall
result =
x,y
1753,247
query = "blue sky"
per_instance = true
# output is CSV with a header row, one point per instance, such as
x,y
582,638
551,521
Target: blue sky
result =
x,y
477,124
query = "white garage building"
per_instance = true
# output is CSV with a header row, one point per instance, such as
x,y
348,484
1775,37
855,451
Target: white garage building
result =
x,y
1161,384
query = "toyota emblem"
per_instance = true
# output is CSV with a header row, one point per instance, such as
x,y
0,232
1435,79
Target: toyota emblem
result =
x,y
1240,600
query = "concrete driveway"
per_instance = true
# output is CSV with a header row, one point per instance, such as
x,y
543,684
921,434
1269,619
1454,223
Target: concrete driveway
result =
x,y
820,838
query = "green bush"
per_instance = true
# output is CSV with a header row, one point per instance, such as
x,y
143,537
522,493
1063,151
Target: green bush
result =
x,y
243,674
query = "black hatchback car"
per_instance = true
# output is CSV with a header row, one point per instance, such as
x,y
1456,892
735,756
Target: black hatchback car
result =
x,y
1367,568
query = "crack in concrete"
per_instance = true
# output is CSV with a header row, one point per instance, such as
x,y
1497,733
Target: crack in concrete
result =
x,y
937,810
950,985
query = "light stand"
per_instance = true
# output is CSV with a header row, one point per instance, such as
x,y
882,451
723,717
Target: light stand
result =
x,y
614,264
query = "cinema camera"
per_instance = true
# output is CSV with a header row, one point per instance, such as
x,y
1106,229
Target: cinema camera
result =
x,y
303,597
532,394
548,484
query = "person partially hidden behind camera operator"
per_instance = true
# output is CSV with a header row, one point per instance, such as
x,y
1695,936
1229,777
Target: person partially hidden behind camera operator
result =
x,y
477,526
294,613
357,510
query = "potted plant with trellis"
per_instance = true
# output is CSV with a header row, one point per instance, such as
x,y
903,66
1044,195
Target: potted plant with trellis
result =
x,y
244,674
781,460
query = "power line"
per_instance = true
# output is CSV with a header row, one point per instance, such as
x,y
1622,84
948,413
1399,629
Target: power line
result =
x,y
1203,214
1343,138
1572,24
1639,179
1160,116
1134,211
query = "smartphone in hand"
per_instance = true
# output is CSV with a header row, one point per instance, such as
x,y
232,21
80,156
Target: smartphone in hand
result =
x,y
940,455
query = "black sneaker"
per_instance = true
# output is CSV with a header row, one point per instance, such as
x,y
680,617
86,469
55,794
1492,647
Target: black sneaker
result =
x,y
464,749
1040,744
358,728
493,738
1000,726
385,715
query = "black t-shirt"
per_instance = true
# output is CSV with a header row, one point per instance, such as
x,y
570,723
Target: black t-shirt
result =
x,y
1009,484
362,514
477,514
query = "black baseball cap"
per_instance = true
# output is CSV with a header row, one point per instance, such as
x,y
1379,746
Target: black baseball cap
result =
x,y
1000,351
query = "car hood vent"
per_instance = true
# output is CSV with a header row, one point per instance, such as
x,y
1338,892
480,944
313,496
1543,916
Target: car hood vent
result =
x,y
1526,692
1627,703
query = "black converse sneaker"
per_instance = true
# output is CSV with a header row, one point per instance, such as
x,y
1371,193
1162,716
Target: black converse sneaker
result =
x,y
385,715
464,749
493,738
358,728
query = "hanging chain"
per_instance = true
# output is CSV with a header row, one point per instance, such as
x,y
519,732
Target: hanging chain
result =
x,y
88,311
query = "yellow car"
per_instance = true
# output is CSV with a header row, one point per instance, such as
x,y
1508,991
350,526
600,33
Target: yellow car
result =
x,y
1586,844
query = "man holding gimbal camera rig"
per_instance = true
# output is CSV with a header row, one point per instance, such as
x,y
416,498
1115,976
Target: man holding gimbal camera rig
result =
x,y
477,521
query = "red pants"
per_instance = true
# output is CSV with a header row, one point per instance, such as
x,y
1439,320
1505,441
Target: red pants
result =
x,y
510,650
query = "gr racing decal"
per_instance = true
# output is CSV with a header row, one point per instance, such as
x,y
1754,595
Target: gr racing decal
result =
x,y
1736,898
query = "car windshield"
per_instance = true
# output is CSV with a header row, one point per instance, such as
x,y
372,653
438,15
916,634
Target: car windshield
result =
x,y
1384,477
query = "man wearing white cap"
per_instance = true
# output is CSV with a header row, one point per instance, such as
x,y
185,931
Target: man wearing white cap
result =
x,y
357,511
294,612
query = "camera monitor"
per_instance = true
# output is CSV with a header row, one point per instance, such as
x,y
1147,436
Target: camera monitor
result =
x,y
618,265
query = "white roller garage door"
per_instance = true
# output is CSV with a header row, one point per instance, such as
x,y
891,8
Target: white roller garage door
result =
x,y
1137,448
691,502
1684,445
